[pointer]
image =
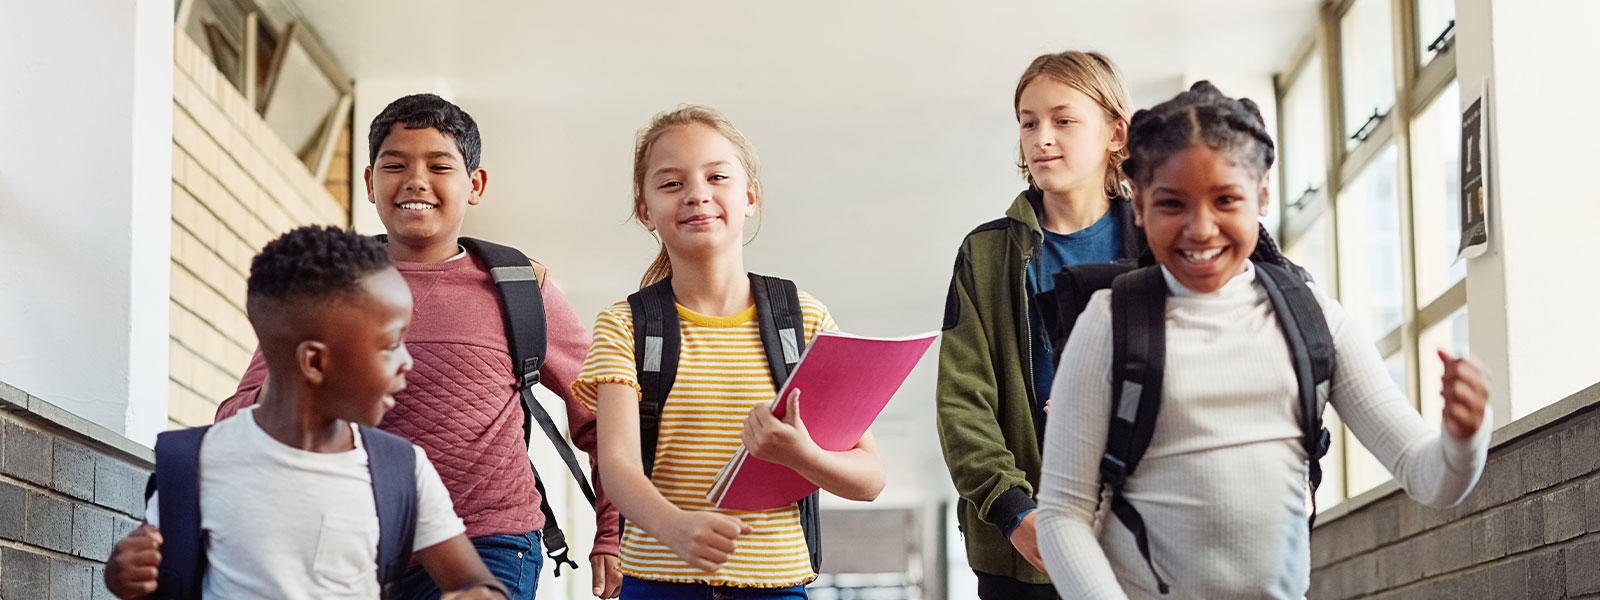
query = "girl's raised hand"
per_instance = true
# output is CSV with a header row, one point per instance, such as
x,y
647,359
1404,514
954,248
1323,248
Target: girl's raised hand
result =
x,y
1466,394
703,539
782,441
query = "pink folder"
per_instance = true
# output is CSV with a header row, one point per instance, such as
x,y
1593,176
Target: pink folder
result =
x,y
844,382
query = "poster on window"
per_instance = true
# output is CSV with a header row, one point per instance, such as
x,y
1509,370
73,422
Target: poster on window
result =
x,y
1474,177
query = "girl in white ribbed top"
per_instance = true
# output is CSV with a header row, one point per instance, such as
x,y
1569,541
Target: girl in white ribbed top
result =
x,y
1222,487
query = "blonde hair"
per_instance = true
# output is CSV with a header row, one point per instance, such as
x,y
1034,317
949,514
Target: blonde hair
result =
x,y
661,267
1094,75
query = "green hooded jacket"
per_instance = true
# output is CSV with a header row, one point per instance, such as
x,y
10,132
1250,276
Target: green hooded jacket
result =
x,y
990,426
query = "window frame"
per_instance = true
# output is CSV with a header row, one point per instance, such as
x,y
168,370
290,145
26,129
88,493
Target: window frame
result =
x,y
1416,87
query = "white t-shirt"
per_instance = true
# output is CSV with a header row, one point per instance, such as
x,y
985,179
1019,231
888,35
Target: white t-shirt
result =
x,y
284,523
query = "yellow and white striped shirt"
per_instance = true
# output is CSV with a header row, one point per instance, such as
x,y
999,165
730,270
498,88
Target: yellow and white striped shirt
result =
x,y
722,373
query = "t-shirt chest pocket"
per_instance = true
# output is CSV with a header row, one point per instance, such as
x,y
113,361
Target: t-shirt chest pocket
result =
x,y
347,553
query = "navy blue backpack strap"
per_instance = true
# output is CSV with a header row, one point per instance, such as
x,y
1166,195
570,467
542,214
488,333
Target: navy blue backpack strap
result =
x,y
782,324
1138,323
393,464
183,546
1305,330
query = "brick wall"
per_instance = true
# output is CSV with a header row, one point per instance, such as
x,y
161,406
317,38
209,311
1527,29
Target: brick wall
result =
x,y
69,490
235,186
1531,528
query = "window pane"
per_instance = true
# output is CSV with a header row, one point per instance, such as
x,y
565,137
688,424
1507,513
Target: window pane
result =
x,y
1449,335
1314,251
1435,195
1366,39
1369,247
1305,135
1434,18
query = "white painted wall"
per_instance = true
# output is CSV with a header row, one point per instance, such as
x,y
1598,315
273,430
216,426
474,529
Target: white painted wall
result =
x,y
85,202
1531,301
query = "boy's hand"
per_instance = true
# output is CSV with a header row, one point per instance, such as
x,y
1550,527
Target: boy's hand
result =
x,y
785,442
135,561
703,539
1466,393
607,575
1026,540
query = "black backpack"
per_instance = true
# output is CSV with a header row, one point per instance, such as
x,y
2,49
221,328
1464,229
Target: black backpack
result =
x,y
390,460
1138,322
522,308
656,345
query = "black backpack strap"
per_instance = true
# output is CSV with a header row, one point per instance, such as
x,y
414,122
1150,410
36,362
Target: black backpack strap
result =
x,y
1311,350
183,545
656,344
393,465
1138,323
782,324
522,307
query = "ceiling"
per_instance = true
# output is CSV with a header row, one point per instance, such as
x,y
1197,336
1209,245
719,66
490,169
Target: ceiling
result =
x,y
885,128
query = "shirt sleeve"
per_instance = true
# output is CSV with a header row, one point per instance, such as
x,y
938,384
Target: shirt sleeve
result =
x,y
1433,467
436,515
249,390
610,359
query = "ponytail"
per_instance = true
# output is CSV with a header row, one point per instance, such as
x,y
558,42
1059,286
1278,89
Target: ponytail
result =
x,y
660,268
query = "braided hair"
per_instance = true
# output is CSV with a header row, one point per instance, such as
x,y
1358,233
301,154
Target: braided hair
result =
x,y
1203,115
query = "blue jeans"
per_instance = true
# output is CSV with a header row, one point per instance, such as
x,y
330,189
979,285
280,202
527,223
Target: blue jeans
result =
x,y
666,590
514,559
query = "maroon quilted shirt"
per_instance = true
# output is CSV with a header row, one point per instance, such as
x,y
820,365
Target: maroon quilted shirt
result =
x,y
459,404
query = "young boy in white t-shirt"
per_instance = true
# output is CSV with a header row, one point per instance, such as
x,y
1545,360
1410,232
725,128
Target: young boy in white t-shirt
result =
x,y
286,497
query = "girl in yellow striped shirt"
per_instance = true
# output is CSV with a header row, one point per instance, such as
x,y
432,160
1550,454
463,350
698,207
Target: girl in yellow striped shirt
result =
x,y
694,185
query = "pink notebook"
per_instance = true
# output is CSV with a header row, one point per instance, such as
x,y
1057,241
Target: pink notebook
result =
x,y
844,382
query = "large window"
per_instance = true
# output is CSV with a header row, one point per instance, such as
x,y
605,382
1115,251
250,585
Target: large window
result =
x,y
1373,213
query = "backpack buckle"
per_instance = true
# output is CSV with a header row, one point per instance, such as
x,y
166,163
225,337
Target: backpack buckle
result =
x,y
1113,471
529,373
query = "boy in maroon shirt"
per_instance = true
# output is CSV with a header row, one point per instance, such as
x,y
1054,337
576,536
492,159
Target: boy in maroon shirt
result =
x,y
461,403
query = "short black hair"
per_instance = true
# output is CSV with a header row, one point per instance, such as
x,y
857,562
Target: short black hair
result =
x,y
423,111
1202,115
313,263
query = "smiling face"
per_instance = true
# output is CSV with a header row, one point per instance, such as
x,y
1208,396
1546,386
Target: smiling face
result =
x,y
422,187
1200,209
1066,138
696,193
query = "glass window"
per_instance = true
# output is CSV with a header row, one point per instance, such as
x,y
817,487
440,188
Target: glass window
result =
x,y
1366,39
1436,21
1435,195
1313,250
1305,137
1369,247
1449,335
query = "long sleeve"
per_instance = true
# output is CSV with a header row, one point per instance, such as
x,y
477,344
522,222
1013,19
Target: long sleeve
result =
x,y
249,389
1433,467
981,464
1069,485
568,345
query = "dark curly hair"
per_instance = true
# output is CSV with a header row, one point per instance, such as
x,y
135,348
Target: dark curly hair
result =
x,y
422,111
1203,115
313,263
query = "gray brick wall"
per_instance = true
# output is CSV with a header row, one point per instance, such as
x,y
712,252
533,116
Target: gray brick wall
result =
x,y
1530,529
68,492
